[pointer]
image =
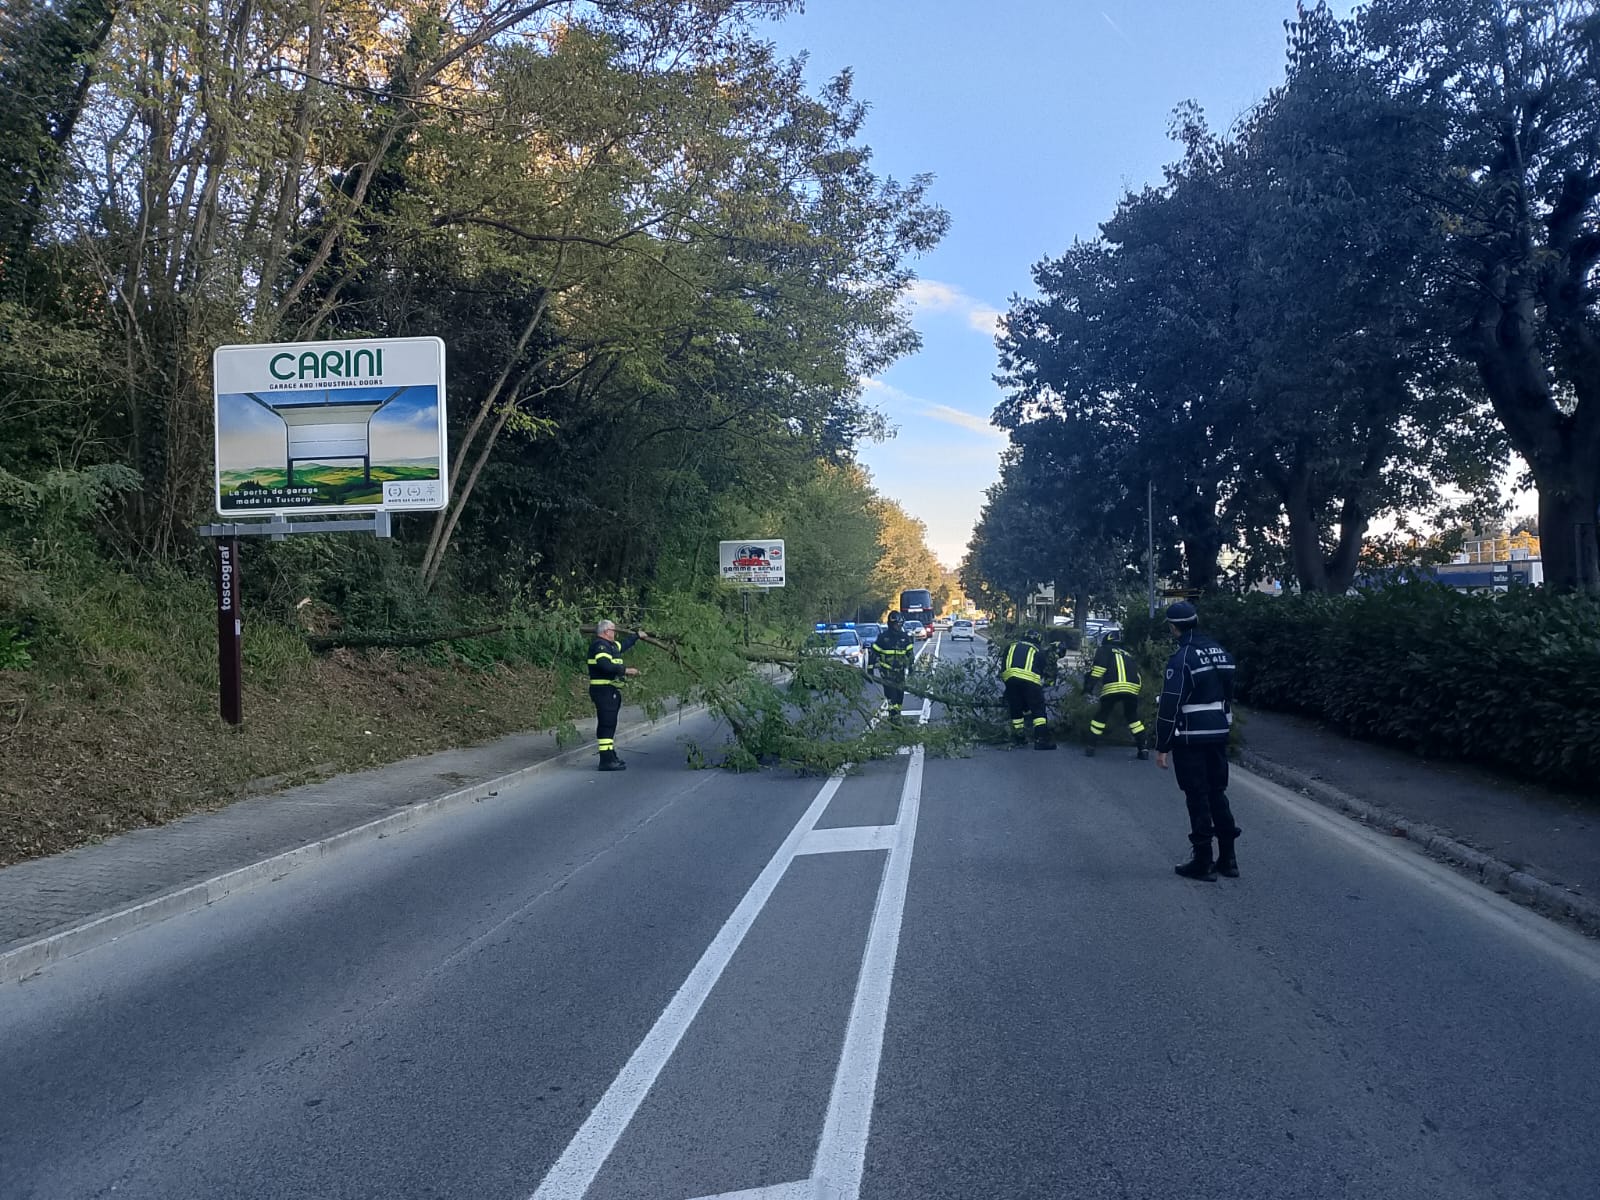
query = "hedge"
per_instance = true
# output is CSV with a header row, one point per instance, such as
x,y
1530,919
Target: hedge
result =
x,y
1511,680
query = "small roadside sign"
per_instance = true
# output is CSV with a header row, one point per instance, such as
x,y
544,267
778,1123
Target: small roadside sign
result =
x,y
754,562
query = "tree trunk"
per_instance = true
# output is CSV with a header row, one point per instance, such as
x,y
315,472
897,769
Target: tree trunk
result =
x,y
1341,568
1202,553
1305,541
1569,540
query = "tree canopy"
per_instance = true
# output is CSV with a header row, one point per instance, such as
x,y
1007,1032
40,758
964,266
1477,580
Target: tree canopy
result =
x,y
1313,322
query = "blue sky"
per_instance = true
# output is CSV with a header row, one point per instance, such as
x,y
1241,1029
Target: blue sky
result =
x,y
1035,116
249,437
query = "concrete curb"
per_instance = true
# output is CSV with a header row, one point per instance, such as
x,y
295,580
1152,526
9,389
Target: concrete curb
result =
x,y
1523,886
21,961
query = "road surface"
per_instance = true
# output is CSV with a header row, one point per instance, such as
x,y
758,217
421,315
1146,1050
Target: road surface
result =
x,y
971,978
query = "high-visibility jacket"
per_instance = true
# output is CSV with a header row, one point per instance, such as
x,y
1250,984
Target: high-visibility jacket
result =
x,y
1115,670
1027,662
605,660
892,651
1197,698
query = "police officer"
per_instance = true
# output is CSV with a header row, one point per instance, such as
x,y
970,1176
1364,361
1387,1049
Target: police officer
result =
x,y
1116,672
1025,669
891,653
606,673
1195,718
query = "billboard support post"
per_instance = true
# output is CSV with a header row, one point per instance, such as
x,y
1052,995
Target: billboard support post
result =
x,y
230,632
230,621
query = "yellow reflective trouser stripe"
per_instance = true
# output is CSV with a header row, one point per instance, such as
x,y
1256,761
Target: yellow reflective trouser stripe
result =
x,y
1136,727
1038,721
1016,722
1097,672
605,744
1097,727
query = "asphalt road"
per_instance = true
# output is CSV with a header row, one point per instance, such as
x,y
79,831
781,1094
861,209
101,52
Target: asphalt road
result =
x,y
945,978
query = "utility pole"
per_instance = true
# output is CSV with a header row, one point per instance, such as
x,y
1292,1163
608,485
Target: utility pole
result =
x,y
1150,539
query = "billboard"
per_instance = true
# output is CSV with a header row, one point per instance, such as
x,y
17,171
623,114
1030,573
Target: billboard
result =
x,y
330,427
755,562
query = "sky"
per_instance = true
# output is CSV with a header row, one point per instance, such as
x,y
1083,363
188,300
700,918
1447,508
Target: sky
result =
x,y
1034,116
250,437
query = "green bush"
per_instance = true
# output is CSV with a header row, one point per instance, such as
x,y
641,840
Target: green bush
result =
x,y
1511,680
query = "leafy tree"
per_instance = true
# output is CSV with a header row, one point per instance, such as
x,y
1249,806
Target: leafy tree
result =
x,y
1513,86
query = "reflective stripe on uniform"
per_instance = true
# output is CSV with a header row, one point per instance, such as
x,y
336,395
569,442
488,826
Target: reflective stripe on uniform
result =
x,y
1214,706
1024,672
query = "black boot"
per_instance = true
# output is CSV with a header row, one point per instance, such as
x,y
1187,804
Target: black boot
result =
x,y
1142,747
1042,740
1088,750
1199,867
610,762
1227,864
1018,738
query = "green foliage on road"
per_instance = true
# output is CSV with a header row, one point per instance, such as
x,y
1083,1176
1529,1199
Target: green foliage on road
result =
x,y
1510,680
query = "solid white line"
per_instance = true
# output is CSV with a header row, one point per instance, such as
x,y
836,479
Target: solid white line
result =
x,y
1576,951
574,1172
849,837
842,1153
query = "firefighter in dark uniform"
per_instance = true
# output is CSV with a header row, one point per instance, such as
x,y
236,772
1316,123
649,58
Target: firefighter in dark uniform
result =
x,y
1023,673
1116,672
606,673
1195,719
891,653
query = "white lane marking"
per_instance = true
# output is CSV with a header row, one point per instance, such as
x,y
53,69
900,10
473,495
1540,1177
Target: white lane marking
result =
x,y
803,1189
842,1153
1575,950
846,838
580,1162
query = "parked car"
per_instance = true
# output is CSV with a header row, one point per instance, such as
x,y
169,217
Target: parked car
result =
x,y
941,623
961,631
868,633
1096,628
981,623
843,645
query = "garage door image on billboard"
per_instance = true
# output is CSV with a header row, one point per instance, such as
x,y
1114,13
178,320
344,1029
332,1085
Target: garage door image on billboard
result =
x,y
331,427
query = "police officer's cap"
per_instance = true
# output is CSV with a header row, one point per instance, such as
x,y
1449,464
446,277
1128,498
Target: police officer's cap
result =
x,y
1182,613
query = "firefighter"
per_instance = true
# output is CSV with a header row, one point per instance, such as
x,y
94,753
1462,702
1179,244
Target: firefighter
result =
x,y
1195,719
606,673
1025,669
891,654
1116,672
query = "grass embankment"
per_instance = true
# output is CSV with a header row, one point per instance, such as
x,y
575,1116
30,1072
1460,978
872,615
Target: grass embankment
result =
x,y
114,724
